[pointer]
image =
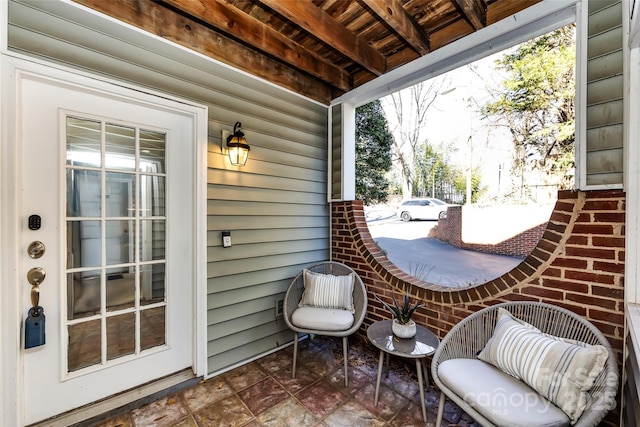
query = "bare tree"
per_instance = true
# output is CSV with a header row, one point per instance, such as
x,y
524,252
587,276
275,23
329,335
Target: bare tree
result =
x,y
407,112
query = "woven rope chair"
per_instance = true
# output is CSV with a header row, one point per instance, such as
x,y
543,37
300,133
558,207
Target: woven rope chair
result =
x,y
468,338
294,295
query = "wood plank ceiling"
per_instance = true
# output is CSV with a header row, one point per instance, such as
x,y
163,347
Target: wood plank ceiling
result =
x,y
318,48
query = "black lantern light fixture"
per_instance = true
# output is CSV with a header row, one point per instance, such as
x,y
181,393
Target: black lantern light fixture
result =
x,y
237,146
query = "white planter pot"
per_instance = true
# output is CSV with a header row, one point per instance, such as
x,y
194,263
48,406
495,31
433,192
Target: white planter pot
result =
x,y
403,331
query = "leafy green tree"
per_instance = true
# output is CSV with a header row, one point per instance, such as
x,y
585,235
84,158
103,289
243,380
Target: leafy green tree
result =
x,y
437,176
536,104
477,189
373,154
432,172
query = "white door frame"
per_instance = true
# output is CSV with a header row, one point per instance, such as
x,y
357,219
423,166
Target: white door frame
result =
x,y
11,310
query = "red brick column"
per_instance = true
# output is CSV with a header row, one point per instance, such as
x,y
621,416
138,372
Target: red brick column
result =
x,y
449,229
578,264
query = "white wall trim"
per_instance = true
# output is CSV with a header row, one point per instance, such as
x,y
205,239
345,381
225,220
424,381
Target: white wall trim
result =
x,y
348,151
9,355
580,143
4,25
10,315
329,156
634,27
631,162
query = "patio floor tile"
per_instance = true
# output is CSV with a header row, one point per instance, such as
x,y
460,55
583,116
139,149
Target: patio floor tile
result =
x,y
263,394
288,413
229,412
161,413
321,398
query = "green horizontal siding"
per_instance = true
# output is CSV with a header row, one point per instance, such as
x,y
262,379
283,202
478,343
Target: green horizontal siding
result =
x,y
604,145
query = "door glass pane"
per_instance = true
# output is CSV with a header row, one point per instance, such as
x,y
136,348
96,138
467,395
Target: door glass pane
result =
x,y
120,241
152,284
119,194
83,142
120,147
83,290
152,327
152,151
152,195
84,244
84,193
152,243
121,335
115,241
84,347
121,289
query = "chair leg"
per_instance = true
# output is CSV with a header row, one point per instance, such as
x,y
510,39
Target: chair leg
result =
x,y
295,354
345,343
440,410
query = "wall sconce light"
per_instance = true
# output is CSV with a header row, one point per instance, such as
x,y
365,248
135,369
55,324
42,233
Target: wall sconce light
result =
x,y
237,146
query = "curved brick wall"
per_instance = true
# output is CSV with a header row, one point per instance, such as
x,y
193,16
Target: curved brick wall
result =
x,y
578,264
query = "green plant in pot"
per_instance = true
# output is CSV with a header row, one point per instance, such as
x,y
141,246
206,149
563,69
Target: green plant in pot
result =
x,y
402,326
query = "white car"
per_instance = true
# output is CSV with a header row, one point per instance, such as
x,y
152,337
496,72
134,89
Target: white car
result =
x,y
428,208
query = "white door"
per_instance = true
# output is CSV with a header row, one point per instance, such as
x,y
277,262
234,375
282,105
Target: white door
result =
x,y
111,177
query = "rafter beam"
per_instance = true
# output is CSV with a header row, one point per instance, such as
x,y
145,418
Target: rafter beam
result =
x,y
329,30
157,19
238,24
474,11
394,14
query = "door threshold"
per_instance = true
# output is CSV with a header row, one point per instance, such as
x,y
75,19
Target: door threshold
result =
x,y
98,412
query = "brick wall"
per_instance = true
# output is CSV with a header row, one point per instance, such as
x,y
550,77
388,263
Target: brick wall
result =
x,y
578,264
449,230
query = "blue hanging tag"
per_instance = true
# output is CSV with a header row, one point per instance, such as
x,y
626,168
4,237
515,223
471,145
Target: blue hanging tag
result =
x,y
34,335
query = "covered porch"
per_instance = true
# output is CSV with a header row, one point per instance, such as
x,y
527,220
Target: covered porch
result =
x,y
292,204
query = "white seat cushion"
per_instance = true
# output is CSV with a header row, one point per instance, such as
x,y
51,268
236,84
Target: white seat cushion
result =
x,y
498,396
322,319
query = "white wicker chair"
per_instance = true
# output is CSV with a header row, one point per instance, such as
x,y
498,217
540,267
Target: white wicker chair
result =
x,y
294,294
468,338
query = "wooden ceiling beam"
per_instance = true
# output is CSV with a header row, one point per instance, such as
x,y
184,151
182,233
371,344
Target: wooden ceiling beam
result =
x,y
450,33
394,14
501,9
323,26
157,19
242,26
474,12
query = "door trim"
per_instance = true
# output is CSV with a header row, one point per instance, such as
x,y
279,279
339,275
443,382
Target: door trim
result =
x,y
11,317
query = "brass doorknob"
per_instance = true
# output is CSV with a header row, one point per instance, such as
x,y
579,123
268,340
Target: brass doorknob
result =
x,y
36,276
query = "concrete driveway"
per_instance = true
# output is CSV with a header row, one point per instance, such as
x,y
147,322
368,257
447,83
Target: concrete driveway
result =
x,y
408,246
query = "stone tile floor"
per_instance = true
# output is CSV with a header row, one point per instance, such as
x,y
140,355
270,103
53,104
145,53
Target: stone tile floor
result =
x,y
262,393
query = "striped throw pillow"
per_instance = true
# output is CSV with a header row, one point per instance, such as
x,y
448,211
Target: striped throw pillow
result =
x,y
328,291
561,370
